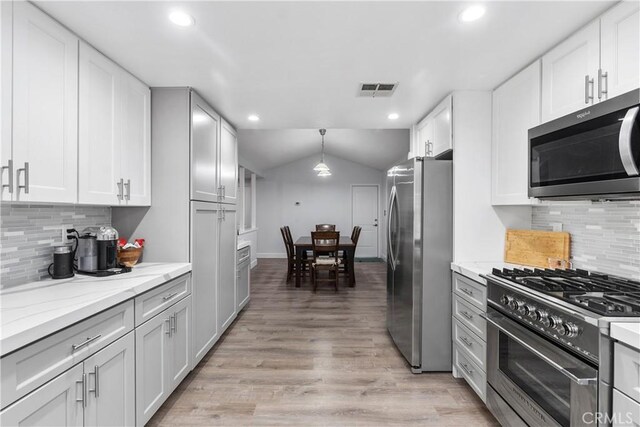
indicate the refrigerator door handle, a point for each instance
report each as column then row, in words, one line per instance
column 389, row 243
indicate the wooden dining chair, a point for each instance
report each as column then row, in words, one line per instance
column 325, row 242
column 291, row 254
column 355, row 236
column 325, row 227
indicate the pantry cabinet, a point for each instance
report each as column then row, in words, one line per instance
column 516, row 109
column 205, row 129
column 228, row 163
column 596, row 63
column 114, row 134
column 227, row 311
column 44, row 148
column 434, row 134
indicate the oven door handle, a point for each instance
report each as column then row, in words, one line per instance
column 498, row 321
column 625, row 141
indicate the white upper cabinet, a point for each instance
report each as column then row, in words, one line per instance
column 45, row 108
column 570, row 72
column 115, row 138
column 516, row 109
column 620, row 49
column 205, row 127
column 228, row 163
column 6, row 38
column 424, row 138
column 99, row 129
column 135, row 146
column 442, row 130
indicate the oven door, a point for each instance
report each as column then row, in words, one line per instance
column 545, row 385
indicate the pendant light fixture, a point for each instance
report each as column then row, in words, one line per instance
column 322, row 168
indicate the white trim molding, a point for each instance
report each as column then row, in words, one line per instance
column 271, row 255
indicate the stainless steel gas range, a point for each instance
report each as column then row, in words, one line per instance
column 549, row 357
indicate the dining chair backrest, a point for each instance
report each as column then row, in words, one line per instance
column 288, row 242
column 355, row 234
column 325, row 227
column 325, row 242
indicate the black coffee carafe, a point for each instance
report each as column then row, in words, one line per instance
column 107, row 248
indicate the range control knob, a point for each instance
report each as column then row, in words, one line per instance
column 505, row 300
column 570, row 330
column 515, row 304
column 524, row 309
column 541, row 316
column 555, row 322
column 532, row 313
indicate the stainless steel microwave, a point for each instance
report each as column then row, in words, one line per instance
column 593, row 153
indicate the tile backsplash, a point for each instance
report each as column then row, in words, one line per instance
column 29, row 232
column 605, row 236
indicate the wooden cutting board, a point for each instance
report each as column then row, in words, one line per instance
column 534, row 248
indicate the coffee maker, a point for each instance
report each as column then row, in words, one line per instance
column 107, row 238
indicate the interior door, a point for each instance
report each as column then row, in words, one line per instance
column 364, row 213
column 205, row 218
column 111, row 386
column 227, row 268
column 205, row 124
column 228, row 163
column 99, row 132
column 45, row 107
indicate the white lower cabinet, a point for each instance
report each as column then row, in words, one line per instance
column 57, row 403
column 162, row 357
column 110, row 385
column 227, row 269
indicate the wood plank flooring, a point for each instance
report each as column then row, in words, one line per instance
column 297, row 358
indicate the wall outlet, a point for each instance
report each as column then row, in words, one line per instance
column 556, row 226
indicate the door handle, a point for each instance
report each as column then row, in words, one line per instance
column 25, row 169
column 127, row 185
column 389, row 245
column 625, row 141
column 588, row 92
column 603, row 77
column 88, row 341
column 9, row 168
column 120, row 185
column 83, row 392
column 96, row 379
column 168, row 331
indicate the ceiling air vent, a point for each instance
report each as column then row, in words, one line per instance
column 377, row 90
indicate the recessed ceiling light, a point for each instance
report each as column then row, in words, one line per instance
column 253, row 118
column 472, row 13
column 181, row 19
column 393, row 116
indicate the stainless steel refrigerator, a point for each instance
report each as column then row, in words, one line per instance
column 419, row 253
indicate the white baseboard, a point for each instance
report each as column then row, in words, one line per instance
column 271, row 255
column 254, row 263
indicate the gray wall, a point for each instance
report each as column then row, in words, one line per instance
column 605, row 236
column 29, row 232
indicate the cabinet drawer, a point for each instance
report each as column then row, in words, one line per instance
column 470, row 290
column 475, row 348
column 244, row 254
column 474, row 376
column 28, row 368
column 156, row 300
column 470, row 316
column 626, row 411
column 626, row 375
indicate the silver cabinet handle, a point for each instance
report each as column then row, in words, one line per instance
column 25, row 169
column 168, row 331
column 75, row 347
column 83, row 399
column 467, row 315
column 168, row 297
column 9, row 168
column 219, row 191
column 96, row 379
column 603, row 77
column 120, row 185
column 224, row 191
column 588, row 89
column 127, row 185
column 466, row 368
column 625, row 142
column 224, row 214
column 466, row 341
column 173, row 323
column 466, row 291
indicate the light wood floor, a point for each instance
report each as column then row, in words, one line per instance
column 297, row 358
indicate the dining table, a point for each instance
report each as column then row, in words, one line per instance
column 345, row 244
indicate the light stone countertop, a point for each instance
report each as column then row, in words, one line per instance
column 32, row 311
column 473, row 270
column 627, row 333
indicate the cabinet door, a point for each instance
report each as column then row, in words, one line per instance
column 516, row 109
column 54, row 404
column 99, row 139
column 243, row 287
column 45, row 107
column 442, row 135
column 152, row 384
column 228, row 163
column 227, row 269
column 6, row 68
column 180, row 348
column 205, row 218
column 205, row 124
column 620, row 48
column 110, row 376
column 569, row 73
column 135, row 148
column 424, row 146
